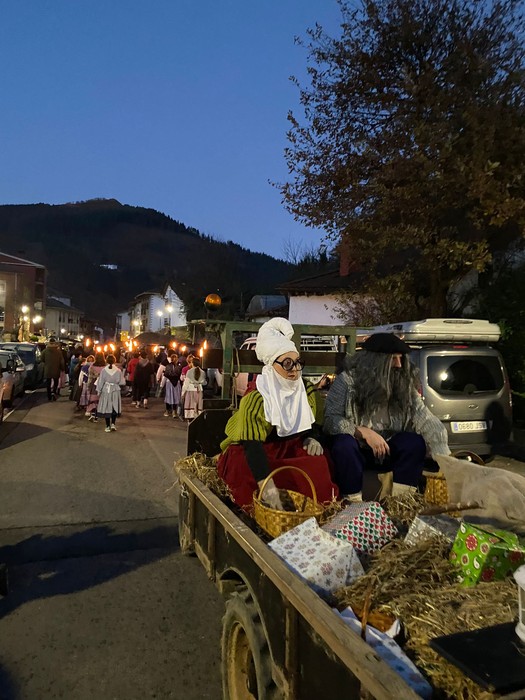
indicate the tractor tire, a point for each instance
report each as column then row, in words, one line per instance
column 246, row 661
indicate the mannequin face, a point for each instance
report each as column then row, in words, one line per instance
column 397, row 361
column 294, row 373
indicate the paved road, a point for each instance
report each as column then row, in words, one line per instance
column 101, row 602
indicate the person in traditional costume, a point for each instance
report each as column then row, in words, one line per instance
column 274, row 427
column 378, row 420
column 109, row 384
column 192, row 389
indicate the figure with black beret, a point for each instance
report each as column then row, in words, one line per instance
column 377, row 419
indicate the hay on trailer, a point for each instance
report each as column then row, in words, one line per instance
column 205, row 469
column 418, row 586
column 405, row 507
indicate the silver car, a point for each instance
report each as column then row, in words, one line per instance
column 13, row 373
column 31, row 356
column 467, row 388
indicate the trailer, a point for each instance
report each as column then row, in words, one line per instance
column 279, row 638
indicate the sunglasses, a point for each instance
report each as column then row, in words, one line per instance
column 288, row 364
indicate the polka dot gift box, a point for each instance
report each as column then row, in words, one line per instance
column 485, row 554
column 365, row 525
column 325, row 563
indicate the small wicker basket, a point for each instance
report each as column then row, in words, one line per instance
column 276, row 522
column 436, row 490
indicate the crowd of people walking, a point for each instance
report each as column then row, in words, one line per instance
column 98, row 383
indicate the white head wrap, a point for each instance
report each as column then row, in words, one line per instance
column 285, row 401
column 273, row 339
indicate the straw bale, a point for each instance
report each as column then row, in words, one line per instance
column 205, row 469
column 405, row 507
column 417, row 585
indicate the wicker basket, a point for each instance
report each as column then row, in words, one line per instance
column 274, row 521
column 436, row 490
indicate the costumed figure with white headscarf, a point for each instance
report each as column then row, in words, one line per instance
column 378, row 419
column 275, row 426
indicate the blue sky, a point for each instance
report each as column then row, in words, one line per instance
column 178, row 105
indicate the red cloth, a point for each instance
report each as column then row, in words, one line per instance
column 235, row 472
column 132, row 364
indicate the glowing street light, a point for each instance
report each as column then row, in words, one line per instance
column 25, row 309
column 37, row 319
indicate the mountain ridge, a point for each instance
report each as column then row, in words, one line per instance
column 149, row 249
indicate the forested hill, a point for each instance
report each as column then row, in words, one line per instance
column 149, row 248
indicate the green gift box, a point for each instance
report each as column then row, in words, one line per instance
column 485, row 554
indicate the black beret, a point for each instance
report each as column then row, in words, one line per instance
column 388, row 343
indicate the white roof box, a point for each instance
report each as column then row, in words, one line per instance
column 443, row 329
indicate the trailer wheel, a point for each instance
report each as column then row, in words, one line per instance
column 246, row 662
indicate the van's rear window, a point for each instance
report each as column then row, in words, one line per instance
column 458, row 374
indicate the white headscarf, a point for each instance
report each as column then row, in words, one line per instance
column 285, row 401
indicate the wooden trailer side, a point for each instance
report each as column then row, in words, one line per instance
column 314, row 653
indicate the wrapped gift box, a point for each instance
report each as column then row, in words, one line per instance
column 485, row 554
column 424, row 527
column 365, row 525
column 391, row 653
column 324, row 562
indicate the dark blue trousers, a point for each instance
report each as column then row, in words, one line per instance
column 407, row 455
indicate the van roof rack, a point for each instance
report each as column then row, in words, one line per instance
column 439, row 329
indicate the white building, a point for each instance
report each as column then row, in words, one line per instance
column 316, row 300
column 62, row 319
column 156, row 311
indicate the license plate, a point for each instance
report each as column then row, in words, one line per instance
column 468, row 426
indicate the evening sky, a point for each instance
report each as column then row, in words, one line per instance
column 177, row 105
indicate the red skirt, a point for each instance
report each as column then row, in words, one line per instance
column 235, row 472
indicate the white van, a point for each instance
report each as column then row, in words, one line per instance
column 464, row 381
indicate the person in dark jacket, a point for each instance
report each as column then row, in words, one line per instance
column 54, row 363
column 143, row 380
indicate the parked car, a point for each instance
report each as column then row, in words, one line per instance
column 31, row 356
column 2, row 389
column 463, row 378
column 13, row 376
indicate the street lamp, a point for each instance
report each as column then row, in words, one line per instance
column 159, row 314
column 23, row 331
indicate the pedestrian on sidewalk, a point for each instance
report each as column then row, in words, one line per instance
column 93, row 375
column 54, row 364
column 109, row 382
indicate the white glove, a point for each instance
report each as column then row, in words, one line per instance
column 271, row 495
column 313, row 447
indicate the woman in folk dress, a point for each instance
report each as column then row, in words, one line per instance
column 83, row 382
column 109, row 382
column 93, row 374
column 171, row 382
column 194, row 380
